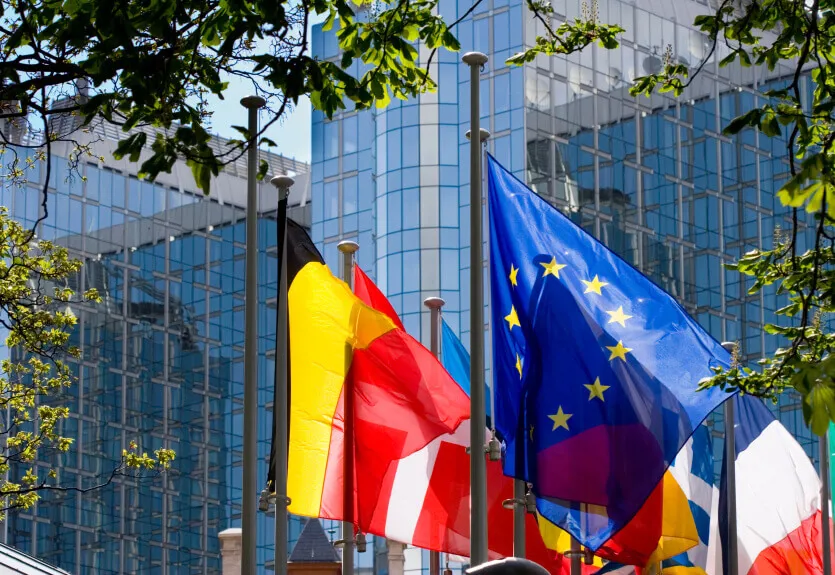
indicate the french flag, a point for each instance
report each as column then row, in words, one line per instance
column 777, row 498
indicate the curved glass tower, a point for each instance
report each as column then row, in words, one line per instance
column 654, row 178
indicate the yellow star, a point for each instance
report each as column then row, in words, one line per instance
column 530, row 432
column 618, row 351
column 596, row 390
column 560, row 419
column 594, row 286
column 519, row 365
column 512, row 319
column 618, row 316
column 552, row 268
column 513, row 273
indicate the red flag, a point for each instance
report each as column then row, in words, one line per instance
column 403, row 398
column 424, row 499
column 368, row 292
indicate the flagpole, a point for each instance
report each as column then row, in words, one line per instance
column 434, row 304
column 730, row 475
column 280, row 417
column 249, row 524
column 478, row 417
column 519, row 511
column 576, row 557
column 348, row 248
column 825, row 509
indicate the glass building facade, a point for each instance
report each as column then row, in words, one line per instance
column 162, row 363
column 653, row 178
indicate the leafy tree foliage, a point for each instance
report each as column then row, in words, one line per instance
column 568, row 37
column 154, row 63
column 800, row 36
column 36, row 315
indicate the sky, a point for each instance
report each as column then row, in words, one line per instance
column 291, row 134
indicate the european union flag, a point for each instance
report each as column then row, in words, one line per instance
column 596, row 368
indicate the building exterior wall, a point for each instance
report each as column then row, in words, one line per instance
column 653, row 178
column 162, row 362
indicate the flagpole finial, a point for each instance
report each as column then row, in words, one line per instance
column 253, row 102
column 283, row 184
column 483, row 134
column 347, row 247
column 434, row 302
column 730, row 346
column 474, row 59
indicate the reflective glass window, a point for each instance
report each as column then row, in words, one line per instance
column 349, row 195
column 331, row 140
column 350, row 139
column 410, row 148
column 331, row 200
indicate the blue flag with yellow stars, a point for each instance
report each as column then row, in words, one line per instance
column 595, row 367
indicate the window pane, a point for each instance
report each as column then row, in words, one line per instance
column 349, row 135
column 349, row 195
column 331, row 140
column 331, row 200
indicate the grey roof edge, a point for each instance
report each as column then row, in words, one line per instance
column 20, row 562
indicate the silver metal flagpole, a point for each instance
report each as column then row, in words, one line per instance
column 825, row 500
column 520, row 489
column 249, row 523
column 576, row 557
column 280, row 415
column 730, row 475
column 348, row 248
column 434, row 304
column 478, row 417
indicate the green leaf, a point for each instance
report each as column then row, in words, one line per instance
column 771, row 127
column 329, row 21
column 411, row 32
column 450, row 42
column 744, row 59
column 242, row 131
column 132, row 146
column 385, row 99
column 727, row 59
column 821, row 403
column 750, row 118
column 202, row 175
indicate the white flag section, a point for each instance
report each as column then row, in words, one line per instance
column 777, row 497
column 693, row 471
column 778, row 504
column 428, row 506
column 416, row 485
column 778, row 500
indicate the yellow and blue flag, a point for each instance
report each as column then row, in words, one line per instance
column 595, row 367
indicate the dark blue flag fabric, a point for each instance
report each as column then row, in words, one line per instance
column 456, row 360
column 595, row 367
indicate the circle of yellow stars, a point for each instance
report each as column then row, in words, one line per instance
column 594, row 286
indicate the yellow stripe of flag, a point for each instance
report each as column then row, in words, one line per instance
column 326, row 322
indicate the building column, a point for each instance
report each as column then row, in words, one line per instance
column 397, row 560
column 231, row 545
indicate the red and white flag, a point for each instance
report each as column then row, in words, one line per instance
column 424, row 498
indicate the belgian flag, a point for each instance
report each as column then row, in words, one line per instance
column 352, row 364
